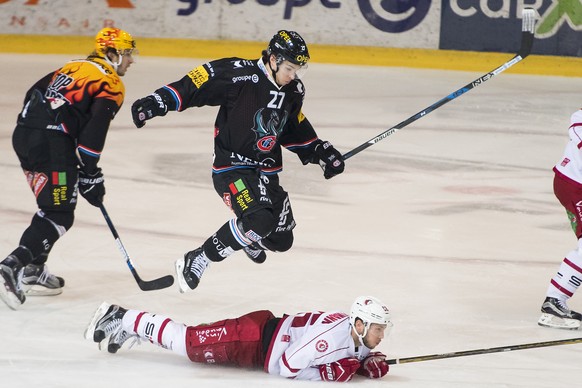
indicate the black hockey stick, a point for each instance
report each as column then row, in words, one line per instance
column 144, row 285
column 483, row 351
column 527, row 37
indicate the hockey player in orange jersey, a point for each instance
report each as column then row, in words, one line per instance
column 58, row 139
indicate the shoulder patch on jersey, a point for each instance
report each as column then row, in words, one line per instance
column 240, row 63
column 199, row 76
column 334, row 317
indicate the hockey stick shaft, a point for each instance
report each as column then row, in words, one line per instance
column 525, row 49
column 156, row 284
column 483, row 351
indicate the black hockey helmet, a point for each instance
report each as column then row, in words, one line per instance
column 289, row 46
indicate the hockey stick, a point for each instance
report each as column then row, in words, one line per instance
column 483, row 351
column 527, row 37
column 144, row 285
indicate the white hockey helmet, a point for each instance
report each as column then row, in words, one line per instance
column 369, row 310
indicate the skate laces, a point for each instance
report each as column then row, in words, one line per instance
column 46, row 276
column 110, row 323
column 125, row 335
column 198, row 265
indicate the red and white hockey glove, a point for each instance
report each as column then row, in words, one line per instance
column 374, row 366
column 340, row 370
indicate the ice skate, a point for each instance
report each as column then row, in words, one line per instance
column 11, row 281
column 556, row 314
column 256, row 255
column 189, row 270
column 38, row 281
column 106, row 322
column 117, row 340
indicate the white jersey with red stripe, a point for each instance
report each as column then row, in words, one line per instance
column 571, row 163
column 304, row 341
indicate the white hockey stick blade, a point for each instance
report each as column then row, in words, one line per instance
column 549, row 320
column 528, row 20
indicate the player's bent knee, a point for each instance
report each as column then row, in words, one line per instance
column 279, row 242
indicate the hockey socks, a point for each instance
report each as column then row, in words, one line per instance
column 157, row 329
column 569, row 277
column 555, row 312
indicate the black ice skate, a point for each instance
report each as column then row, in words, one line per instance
column 38, row 281
column 556, row 314
column 106, row 322
column 189, row 270
column 257, row 255
column 10, row 282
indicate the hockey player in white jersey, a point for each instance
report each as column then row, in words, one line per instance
column 568, row 190
column 328, row 346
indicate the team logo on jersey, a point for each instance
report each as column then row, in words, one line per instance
column 268, row 125
column 266, row 143
column 321, row 346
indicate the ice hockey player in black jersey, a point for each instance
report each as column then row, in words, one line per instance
column 260, row 110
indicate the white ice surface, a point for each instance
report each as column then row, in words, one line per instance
column 451, row 221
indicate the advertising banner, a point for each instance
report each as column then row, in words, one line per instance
column 494, row 25
column 411, row 24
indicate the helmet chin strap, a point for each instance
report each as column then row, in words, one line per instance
column 274, row 72
column 361, row 336
column 115, row 65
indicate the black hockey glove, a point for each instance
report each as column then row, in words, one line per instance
column 148, row 107
column 91, row 187
column 330, row 159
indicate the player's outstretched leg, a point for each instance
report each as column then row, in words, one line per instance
column 556, row 314
column 38, row 281
column 189, row 270
column 11, row 293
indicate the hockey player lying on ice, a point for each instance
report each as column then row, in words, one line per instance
column 328, row 346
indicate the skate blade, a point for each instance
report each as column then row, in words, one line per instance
column 38, row 290
column 549, row 320
column 101, row 310
column 182, row 285
column 8, row 297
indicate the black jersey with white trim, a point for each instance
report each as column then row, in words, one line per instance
column 256, row 117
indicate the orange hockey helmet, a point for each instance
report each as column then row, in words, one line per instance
column 119, row 40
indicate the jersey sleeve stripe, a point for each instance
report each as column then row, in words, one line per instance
column 177, row 99
column 299, row 145
column 89, row 151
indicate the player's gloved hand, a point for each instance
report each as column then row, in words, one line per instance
column 148, row 107
column 374, row 366
column 330, row 159
column 91, row 187
column 340, row 370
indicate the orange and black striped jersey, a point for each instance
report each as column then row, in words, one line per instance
column 81, row 99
